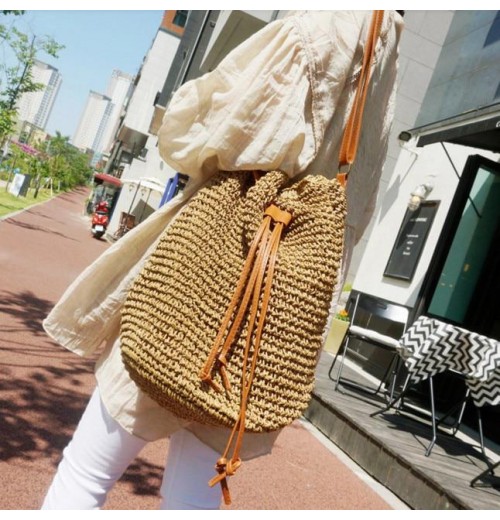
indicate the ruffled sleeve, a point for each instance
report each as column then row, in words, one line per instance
column 251, row 112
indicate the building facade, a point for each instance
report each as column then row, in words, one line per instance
column 119, row 90
column 433, row 243
column 198, row 47
column 35, row 107
column 455, row 113
column 134, row 155
column 93, row 122
column 101, row 116
column 467, row 74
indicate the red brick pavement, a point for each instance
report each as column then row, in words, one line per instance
column 43, row 388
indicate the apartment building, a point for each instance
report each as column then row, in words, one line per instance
column 118, row 91
column 93, row 122
column 102, row 114
column 35, row 108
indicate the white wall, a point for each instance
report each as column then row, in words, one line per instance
column 420, row 45
column 422, row 40
column 153, row 74
column 468, row 70
column 431, row 164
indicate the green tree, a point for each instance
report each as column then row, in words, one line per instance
column 67, row 166
column 18, row 159
column 56, row 159
column 16, row 76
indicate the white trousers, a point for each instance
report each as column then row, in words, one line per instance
column 100, row 452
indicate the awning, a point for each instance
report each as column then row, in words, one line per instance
column 132, row 140
column 477, row 128
column 149, row 183
column 104, row 177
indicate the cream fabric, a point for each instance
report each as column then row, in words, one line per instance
column 279, row 100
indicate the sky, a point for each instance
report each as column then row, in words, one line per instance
column 96, row 42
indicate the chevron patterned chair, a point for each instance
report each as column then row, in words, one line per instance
column 380, row 324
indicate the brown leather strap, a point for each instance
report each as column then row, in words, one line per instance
column 258, row 272
column 350, row 140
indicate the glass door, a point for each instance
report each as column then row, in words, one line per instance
column 465, row 285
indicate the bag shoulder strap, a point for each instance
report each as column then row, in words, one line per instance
column 352, row 131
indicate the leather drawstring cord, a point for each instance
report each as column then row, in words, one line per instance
column 261, row 259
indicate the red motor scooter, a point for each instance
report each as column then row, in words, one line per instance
column 100, row 219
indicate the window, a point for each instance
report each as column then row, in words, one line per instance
column 497, row 93
column 180, row 18
column 493, row 34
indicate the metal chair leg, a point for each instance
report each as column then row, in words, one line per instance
column 491, row 467
column 388, row 373
column 481, row 439
column 399, row 398
column 433, row 419
column 404, row 391
column 342, row 358
column 462, row 406
column 490, row 470
column 335, row 358
column 332, row 365
column 397, row 367
column 457, row 425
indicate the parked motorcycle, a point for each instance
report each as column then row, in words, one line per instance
column 100, row 219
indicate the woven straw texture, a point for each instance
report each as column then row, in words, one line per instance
column 175, row 306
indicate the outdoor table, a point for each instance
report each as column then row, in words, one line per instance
column 430, row 347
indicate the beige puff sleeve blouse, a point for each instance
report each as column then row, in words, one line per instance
column 278, row 101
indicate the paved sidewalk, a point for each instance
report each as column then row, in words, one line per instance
column 43, row 389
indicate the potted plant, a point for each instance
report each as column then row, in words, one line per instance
column 337, row 332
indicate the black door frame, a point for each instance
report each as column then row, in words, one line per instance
column 447, row 235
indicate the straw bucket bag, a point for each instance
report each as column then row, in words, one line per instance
column 224, row 323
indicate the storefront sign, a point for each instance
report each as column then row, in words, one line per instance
column 18, row 186
column 410, row 241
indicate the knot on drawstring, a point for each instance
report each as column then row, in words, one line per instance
column 225, row 468
column 220, row 366
column 252, row 294
column 278, row 215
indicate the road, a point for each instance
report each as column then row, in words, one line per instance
column 44, row 389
